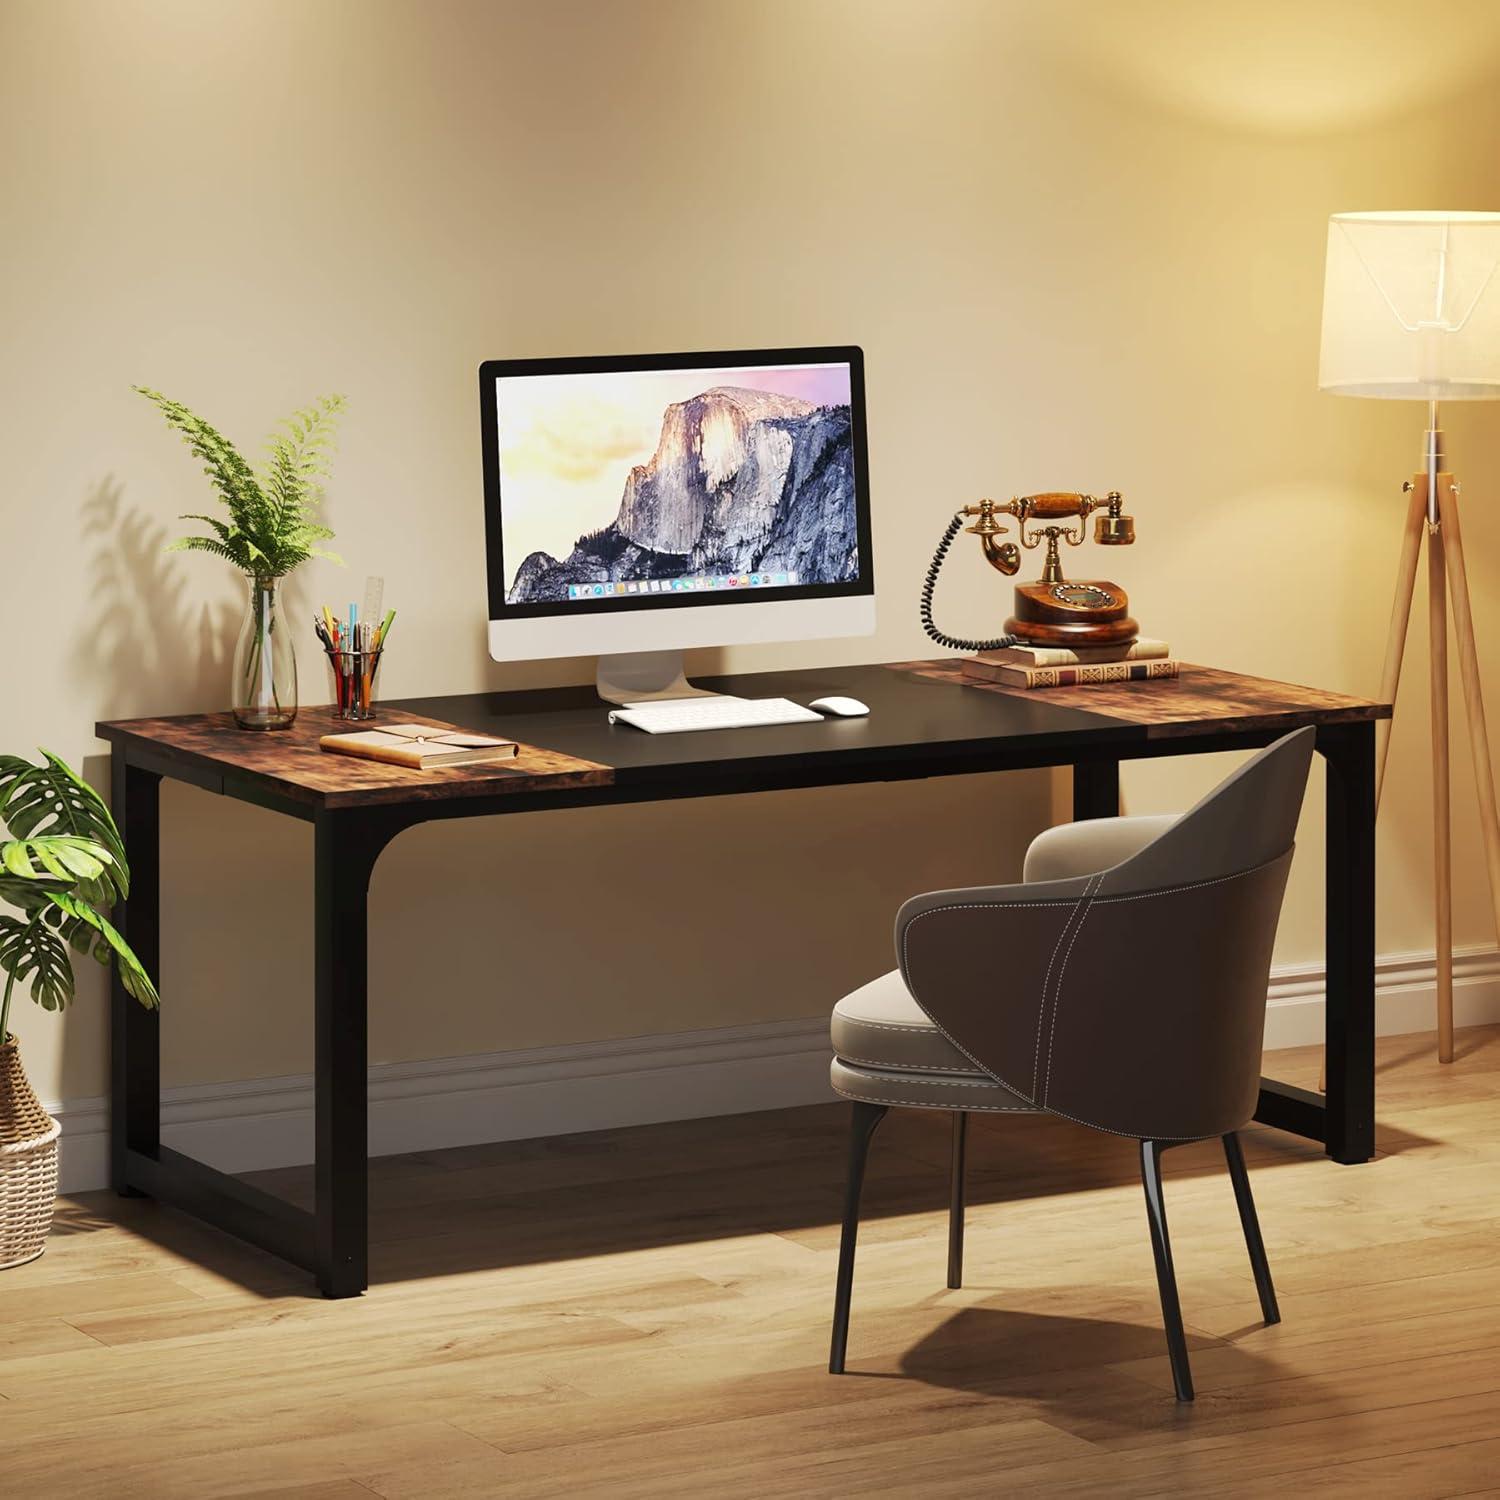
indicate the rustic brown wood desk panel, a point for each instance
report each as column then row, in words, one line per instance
column 288, row 765
column 1200, row 700
column 923, row 722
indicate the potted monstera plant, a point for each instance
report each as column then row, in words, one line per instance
column 62, row 860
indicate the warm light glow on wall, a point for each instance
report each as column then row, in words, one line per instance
column 1285, row 65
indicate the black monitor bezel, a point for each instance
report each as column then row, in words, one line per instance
column 492, row 369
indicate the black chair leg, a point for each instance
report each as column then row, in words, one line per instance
column 956, row 1202
column 1259, row 1265
column 1166, row 1278
column 862, row 1126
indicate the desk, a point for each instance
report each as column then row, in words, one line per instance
column 924, row 721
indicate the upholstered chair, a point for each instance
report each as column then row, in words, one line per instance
column 1121, row 985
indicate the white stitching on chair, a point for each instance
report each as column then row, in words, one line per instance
column 952, row 1083
column 1026, row 1109
column 1041, row 1009
column 1057, row 998
column 1089, row 902
column 933, row 911
column 1171, row 890
column 1008, row 1109
column 926, row 1030
column 1177, row 890
column 873, row 1062
column 943, row 1030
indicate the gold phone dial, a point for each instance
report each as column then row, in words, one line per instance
column 1052, row 611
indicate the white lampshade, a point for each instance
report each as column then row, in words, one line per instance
column 1411, row 306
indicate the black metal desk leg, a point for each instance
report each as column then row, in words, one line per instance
column 134, row 1031
column 344, row 856
column 1349, row 751
column 1096, row 789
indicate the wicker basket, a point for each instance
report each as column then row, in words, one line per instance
column 28, row 1163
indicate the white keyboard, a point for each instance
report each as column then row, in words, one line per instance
column 678, row 715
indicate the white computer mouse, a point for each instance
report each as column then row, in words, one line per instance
column 845, row 708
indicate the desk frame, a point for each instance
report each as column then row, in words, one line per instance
column 331, row 1240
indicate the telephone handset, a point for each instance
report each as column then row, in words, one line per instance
column 1052, row 611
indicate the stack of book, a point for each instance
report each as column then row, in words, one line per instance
column 1063, row 666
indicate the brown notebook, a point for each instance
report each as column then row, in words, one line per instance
column 420, row 746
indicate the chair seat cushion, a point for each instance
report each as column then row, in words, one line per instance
column 889, row 1052
column 925, row 1090
column 879, row 1025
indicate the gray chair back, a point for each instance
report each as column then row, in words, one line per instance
column 1132, row 999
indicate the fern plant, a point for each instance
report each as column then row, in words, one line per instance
column 63, row 861
column 271, row 523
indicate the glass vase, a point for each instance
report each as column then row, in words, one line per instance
column 263, row 680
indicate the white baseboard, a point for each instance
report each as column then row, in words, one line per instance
column 461, row 1101
column 1405, row 996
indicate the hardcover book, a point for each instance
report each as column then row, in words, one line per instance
column 420, row 746
column 1087, row 674
column 1140, row 649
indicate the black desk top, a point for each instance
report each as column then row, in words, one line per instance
column 908, row 714
column 923, row 720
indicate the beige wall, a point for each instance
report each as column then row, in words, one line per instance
column 1081, row 244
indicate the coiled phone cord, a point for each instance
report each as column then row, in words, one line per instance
column 953, row 642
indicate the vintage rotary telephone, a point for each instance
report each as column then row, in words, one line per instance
column 1052, row 611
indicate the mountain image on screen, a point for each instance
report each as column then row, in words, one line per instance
column 741, row 480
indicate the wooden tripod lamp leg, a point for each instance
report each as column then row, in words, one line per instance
column 1437, row 624
column 1395, row 640
column 1468, row 667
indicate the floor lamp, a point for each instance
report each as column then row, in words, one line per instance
column 1411, row 311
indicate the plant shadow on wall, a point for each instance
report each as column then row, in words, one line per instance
column 144, row 636
column 146, row 645
column 149, row 646
column 267, row 526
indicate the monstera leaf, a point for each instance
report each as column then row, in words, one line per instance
column 65, row 858
column 25, row 895
column 31, row 953
column 58, row 856
column 48, row 801
column 88, row 932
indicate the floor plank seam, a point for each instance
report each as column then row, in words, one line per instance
column 1324, row 1467
column 1277, row 1429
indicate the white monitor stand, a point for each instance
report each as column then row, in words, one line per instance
column 644, row 677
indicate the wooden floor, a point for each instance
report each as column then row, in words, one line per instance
column 645, row 1313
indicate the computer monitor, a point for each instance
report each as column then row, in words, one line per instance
column 635, row 506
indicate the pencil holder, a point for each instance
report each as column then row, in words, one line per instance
column 354, row 683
